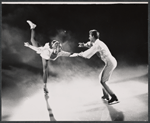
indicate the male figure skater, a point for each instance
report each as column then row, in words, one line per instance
column 95, row 45
column 45, row 52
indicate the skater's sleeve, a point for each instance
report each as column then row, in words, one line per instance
column 89, row 53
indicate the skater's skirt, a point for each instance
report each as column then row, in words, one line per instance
column 110, row 65
column 45, row 54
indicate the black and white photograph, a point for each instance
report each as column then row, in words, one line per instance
column 74, row 61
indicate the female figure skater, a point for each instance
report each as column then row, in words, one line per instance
column 95, row 45
column 45, row 52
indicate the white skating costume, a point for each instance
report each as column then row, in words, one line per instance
column 103, row 52
column 47, row 53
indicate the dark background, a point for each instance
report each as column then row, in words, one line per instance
column 123, row 27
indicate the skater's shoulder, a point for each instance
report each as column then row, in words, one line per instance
column 100, row 42
column 46, row 45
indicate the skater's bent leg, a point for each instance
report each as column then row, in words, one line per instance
column 105, row 75
column 105, row 92
column 102, row 79
column 113, row 96
column 107, row 89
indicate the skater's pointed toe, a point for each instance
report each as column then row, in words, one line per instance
column 32, row 25
column 28, row 21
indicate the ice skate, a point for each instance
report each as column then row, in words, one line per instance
column 113, row 100
column 32, row 25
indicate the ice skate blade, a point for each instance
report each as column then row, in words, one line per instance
column 105, row 100
column 114, row 102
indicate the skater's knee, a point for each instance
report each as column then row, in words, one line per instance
column 102, row 82
column 45, row 71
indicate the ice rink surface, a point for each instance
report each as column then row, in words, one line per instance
column 80, row 99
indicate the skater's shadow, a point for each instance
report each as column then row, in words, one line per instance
column 52, row 118
column 115, row 114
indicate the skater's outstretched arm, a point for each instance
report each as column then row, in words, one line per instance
column 62, row 53
column 65, row 53
column 74, row 55
column 89, row 53
column 86, row 54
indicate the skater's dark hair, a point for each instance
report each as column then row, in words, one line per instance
column 94, row 33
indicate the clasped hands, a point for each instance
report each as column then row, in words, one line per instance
column 74, row 55
column 77, row 54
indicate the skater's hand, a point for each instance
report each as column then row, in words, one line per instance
column 26, row 44
column 81, row 44
column 74, row 55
